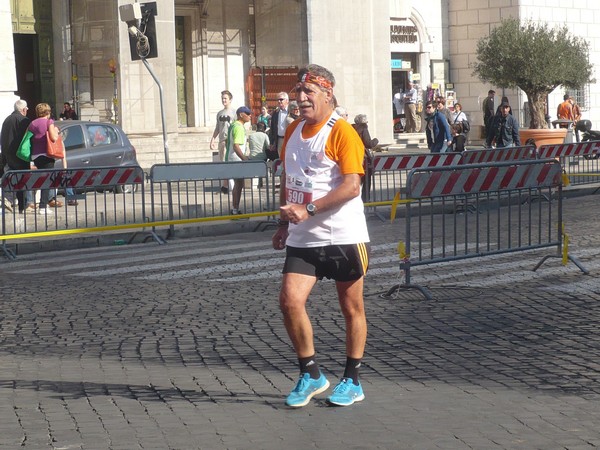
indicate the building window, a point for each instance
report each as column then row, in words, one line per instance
column 581, row 96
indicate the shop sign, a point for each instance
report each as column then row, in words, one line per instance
column 403, row 34
column 396, row 64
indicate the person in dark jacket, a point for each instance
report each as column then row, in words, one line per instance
column 504, row 130
column 13, row 130
column 499, row 109
column 68, row 113
column 278, row 126
column 437, row 130
column 362, row 128
column 488, row 110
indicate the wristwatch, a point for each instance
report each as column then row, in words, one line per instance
column 311, row 209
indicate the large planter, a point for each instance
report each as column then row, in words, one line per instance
column 543, row 136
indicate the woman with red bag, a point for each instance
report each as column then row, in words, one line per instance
column 39, row 127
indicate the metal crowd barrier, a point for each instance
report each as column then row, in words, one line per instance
column 193, row 191
column 104, row 198
column 506, row 221
column 487, row 155
column 186, row 193
column 275, row 171
column 387, row 174
column 580, row 161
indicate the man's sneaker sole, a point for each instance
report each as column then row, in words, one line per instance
column 300, row 395
column 310, row 396
column 360, row 398
column 346, row 393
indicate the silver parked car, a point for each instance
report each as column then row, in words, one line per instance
column 95, row 144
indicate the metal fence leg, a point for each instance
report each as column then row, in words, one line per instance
column 573, row 259
column 8, row 252
column 423, row 290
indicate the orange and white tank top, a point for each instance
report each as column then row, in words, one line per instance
column 312, row 174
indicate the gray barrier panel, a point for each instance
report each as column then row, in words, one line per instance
column 207, row 171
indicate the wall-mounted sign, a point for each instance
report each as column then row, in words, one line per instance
column 416, row 77
column 403, row 34
column 396, row 64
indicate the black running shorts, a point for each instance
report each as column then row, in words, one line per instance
column 337, row 262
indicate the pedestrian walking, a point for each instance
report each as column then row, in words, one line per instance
column 504, row 131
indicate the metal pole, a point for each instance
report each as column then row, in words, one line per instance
column 162, row 109
column 165, row 140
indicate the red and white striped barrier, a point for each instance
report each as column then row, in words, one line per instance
column 483, row 156
column 573, row 149
column 74, row 178
column 474, row 179
column 408, row 162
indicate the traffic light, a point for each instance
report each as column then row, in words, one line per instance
column 142, row 31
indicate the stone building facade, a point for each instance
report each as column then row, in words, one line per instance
column 78, row 50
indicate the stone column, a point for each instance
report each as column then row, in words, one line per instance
column 8, row 76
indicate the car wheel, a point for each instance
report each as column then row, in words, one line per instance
column 126, row 188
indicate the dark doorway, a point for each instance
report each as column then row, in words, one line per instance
column 181, row 66
column 28, row 78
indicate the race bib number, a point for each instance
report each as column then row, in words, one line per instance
column 299, row 190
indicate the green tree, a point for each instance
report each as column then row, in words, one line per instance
column 535, row 58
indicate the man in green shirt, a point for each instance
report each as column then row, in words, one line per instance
column 236, row 151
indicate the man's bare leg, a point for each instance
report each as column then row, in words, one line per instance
column 294, row 294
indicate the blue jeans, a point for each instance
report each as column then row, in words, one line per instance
column 43, row 162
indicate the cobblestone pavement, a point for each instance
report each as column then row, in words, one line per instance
column 182, row 346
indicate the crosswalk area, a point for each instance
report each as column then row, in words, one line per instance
column 248, row 259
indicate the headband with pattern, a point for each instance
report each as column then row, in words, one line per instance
column 316, row 79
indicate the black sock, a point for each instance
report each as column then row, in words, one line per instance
column 309, row 365
column 351, row 370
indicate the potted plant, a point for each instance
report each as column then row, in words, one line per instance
column 537, row 59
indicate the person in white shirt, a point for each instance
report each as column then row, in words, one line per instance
column 410, row 109
column 225, row 118
column 324, row 232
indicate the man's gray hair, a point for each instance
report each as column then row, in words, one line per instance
column 283, row 95
column 320, row 71
column 360, row 118
column 20, row 105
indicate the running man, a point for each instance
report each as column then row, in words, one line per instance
column 323, row 228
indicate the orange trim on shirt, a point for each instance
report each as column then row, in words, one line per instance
column 343, row 145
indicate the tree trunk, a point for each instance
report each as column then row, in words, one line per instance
column 537, row 109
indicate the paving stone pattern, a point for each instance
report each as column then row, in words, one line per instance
column 182, row 346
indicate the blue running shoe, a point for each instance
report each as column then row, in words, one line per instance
column 305, row 389
column 346, row 393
